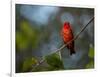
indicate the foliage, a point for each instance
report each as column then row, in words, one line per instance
column 21, row 40
column 28, row 62
column 90, row 65
column 91, row 55
column 27, row 36
column 91, row 52
column 54, row 61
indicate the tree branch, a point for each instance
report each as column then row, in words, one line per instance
column 63, row 46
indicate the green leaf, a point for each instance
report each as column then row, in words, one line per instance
column 27, row 65
column 91, row 52
column 54, row 61
column 21, row 40
column 26, row 28
column 90, row 64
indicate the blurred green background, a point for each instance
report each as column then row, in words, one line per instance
column 38, row 34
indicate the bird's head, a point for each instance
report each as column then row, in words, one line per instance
column 66, row 25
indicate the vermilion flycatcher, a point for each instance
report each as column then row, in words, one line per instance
column 67, row 36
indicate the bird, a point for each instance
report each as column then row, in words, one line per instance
column 67, row 36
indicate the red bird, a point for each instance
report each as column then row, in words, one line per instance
column 67, row 36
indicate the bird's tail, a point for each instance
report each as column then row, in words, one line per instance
column 72, row 51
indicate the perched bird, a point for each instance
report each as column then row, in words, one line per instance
column 67, row 36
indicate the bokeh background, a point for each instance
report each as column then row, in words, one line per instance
column 38, row 34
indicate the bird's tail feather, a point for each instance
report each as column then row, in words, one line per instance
column 72, row 51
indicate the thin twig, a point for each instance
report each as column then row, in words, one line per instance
column 63, row 46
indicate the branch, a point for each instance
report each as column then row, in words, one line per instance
column 63, row 46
